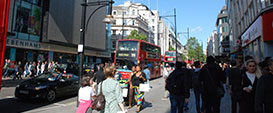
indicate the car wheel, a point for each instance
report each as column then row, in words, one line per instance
column 51, row 95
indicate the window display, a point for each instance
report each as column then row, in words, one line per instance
column 27, row 19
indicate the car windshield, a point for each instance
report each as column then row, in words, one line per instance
column 48, row 76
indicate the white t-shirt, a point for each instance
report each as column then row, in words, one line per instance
column 251, row 77
column 85, row 93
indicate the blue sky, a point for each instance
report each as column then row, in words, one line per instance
column 197, row 15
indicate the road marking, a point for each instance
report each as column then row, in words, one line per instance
column 10, row 97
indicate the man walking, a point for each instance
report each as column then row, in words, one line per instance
column 211, row 78
column 264, row 91
column 146, row 71
column 235, row 85
column 197, row 88
column 178, row 87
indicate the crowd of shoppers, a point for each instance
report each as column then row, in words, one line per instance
column 249, row 83
column 17, row 69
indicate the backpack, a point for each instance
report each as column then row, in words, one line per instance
column 99, row 101
column 195, row 80
column 174, row 83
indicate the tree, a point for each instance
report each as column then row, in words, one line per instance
column 135, row 35
column 171, row 48
column 195, row 50
column 183, row 57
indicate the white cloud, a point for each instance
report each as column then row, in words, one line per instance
column 197, row 29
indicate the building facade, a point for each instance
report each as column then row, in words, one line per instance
column 223, row 32
column 251, row 23
column 213, row 44
column 49, row 30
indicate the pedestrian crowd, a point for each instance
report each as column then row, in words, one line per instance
column 30, row 69
column 105, row 81
column 250, row 85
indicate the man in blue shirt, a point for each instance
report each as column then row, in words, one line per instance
column 146, row 71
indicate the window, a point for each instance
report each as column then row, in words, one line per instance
column 133, row 12
column 114, row 12
column 114, row 32
column 133, row 22
column 124, row 21
column 124, row 13
column 27, row 19
column 114, row 44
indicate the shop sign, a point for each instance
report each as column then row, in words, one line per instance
column 267, row 26
column 103, row 54
column 23, row 44
column 253, row 32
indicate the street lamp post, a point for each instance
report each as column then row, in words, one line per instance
column 84, row 28
column 175, row 30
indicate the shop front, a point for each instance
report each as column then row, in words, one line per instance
column 252, row 41
column 31, row 51
column 257, row 41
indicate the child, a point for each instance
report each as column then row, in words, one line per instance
column 85, row 95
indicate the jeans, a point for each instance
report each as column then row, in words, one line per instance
column 6, row 72
column 197, row 94
column 177, row 103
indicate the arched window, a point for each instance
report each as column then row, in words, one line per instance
column 114, row 12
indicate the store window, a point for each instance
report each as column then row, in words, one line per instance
column 27, row 19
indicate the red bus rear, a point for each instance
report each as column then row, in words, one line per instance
column 131, row 52
column 170, row 58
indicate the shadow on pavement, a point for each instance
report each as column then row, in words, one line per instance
column 13, row 105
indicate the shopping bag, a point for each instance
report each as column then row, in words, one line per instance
column 124, row 92
column 144, row 87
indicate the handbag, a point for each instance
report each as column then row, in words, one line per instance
column 220, row 91
column 99, row 101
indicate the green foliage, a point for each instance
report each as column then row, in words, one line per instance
column 135, row 35
column 171, row 48
column 183, row 57
column 195, row 50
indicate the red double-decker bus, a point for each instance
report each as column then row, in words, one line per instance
column 137, row 52
column 170, row 58
column 4, row 9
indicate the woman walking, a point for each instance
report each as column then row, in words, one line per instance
column 86, row 92
column 112, row 92
column 249, row 83
column 131, row 88
column 138, row 78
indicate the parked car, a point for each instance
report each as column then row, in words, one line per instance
column 48, row 86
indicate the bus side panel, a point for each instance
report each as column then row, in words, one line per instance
column 4, row 9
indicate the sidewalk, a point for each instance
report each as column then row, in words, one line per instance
column 154, row 103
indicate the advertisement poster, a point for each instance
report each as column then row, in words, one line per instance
column 12, row 57
column 27, row 19
column 50, row 56
column 29, row 56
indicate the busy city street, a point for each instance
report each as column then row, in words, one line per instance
column 136, row 56
column 154, row 102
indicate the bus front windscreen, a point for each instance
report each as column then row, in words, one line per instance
column 127, row 46
column 127, row 49
column 170, row 54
